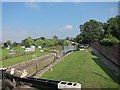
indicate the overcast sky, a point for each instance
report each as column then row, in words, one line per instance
column 36, row 19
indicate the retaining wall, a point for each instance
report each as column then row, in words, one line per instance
column 34, row 64
column 111, row 52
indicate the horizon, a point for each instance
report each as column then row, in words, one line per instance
column 36, row 19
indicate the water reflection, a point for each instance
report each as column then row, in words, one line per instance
column 69, row 48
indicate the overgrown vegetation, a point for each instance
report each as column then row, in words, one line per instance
column 110, row 40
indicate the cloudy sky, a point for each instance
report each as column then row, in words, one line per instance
column 36, row 19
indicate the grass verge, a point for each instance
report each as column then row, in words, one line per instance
column 84, row 68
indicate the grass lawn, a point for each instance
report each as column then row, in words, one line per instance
column 84, row 68
column 6, row 51
column 18, row 51
column 19, row 59
column 3, row 52
column 15, row 60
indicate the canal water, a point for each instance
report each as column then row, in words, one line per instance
column 69, row 48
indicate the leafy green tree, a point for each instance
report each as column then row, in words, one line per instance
column 39, row 42
column 112, row 27
column 43, row 38
column 65, row 43
column 15, row 44
column 7, row 43
column 55, row 40
column 60, row 42
column 55, row 37
column 72, row 39
column 27, row 42
column 47, row 42
column 91, row 31
column 109, row 40
column 79, row 38
column 67, row 38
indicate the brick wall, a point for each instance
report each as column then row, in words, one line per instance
column 34, row 64
column 111, row 52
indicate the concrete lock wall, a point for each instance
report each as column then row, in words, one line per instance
column 111, row 52
column 34, row 64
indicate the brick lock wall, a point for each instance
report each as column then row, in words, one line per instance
column 111, row 52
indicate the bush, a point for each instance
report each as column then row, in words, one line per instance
column 109, row 41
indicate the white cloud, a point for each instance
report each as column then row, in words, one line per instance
column 68, row 27
column 32, row 4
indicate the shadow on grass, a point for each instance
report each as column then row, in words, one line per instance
column 105, row 68
column 102, row 76
column 99, row 89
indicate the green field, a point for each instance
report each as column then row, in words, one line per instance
column 19, row 59
column 84, row 68
column 18, row 51
column 3, row 52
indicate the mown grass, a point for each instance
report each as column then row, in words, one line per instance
column 84, row 68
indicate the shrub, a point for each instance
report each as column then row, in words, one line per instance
column 109, row 41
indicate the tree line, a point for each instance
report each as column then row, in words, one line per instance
column 107, row 33
column 42, row 41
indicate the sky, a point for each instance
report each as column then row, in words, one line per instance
column 36, row 19
column 60, row 0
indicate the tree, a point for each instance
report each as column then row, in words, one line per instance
column 109, row 40
column 27, row 42
column 39, row 42
column 91, row 31
column 72, row 39
column 14, row 44
column 94, row 31
column 55, row 37
column 67, row 38
column 79, row 38
column 43, row 38
column 54, row 41
column 65, row 43
column 60, row 42
column 7, row 43
column 112, row 27
column 47, row 42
